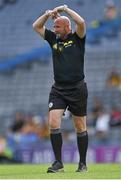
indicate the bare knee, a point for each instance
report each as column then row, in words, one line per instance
column 54, row 123
column 55, row 119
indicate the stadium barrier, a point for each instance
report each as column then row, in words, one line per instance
column 100, row 154
column 40, row 54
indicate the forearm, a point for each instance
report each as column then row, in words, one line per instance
column 40, row 22
column 75, row 16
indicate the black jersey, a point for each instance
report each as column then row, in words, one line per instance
column 68, row 57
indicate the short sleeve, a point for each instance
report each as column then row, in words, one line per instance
column 49, row 36
column 81, row 39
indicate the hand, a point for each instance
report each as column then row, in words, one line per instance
column 48, row 13
column 55, row 15
column 60, row 8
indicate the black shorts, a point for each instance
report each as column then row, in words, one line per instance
column 74, row 98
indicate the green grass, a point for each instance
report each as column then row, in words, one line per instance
column 95, row 171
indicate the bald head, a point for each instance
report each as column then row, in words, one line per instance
column 62, row 26
column 64, row 20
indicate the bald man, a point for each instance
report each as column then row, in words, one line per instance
column 69, row 90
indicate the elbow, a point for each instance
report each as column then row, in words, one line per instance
column 34, row 26
column 82, row 22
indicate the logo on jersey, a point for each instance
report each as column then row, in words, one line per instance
column 61, row 45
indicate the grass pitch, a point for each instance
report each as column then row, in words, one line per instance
column 95, row 171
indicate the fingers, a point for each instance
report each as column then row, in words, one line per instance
column 55, row 15
column 55, row 12
column 52, row 14
column 48, row 12
column 60, row 8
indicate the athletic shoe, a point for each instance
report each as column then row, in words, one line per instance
column 82, row 168
column 57, row 166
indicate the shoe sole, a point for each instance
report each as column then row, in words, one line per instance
column 55, row 171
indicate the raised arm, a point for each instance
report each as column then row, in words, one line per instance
column 39, row 24
column 80, row 23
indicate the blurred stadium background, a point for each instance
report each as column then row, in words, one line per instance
column 26, row 77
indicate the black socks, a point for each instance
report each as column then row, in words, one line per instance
column 56, row 141
column 82, row 143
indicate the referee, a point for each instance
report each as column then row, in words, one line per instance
column 69, row 89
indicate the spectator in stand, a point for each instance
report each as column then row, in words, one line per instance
column 6, row 155
column 108, row 26
column 36, row 126
column 27, row 129
column 102, row 126
column 115, row 120
column 114, row 79
column 111, row 11
column 18, row 122
column 97, row 106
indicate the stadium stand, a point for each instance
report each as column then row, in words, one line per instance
column 26, row 67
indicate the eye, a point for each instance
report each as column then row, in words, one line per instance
column 56, row 26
